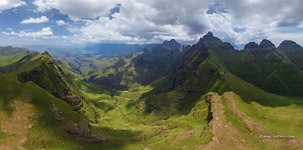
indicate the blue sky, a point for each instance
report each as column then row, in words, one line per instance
column 78, row 22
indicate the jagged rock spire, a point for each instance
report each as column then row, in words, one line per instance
column 208, row 35
column 209, row 38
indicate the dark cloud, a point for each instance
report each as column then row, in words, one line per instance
column 293, row 16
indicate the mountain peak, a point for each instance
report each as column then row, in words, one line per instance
column 208, row 35
column 209, row 38
column 251, row 45
column 171, row 45
column 45, row 53
column 171, row 42
column 266, row 44
column 289, row 44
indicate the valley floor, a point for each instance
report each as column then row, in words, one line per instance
column 235, row 123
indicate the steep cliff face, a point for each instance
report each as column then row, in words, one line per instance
column 211, row 65
column 196, row 73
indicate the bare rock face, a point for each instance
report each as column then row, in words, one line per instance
column 73, row 100
column 82, row 132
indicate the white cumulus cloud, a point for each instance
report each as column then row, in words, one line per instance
column 148, row 21
column 78, row 8
column 35, row 20
column 7, row 4
column 43, row 33
column 61, row 22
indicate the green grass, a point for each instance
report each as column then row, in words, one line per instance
column 9, row 55
column 42, row 70
column 6, row 60
column 2, row 135
column 46, row 132
column 272, row 72
column 251, row 93
column 124, row 127
column 178, row 125
column 237, row 123
column 282, row 120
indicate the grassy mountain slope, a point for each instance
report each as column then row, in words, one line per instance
column 10, row 55
column 293, row 51
column 114, row 73
column 44, row 71
column 32, row 118
column 272, row 71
